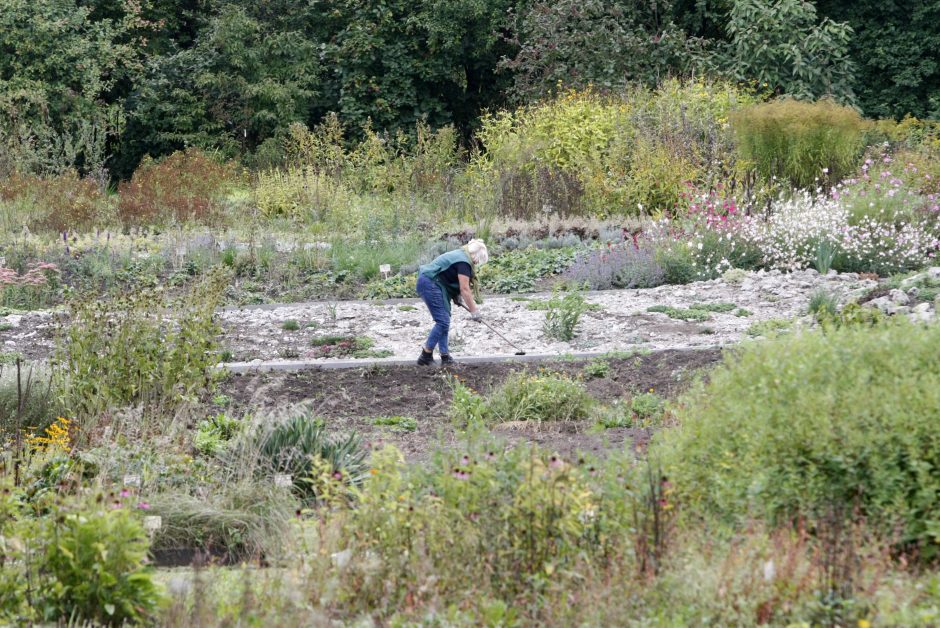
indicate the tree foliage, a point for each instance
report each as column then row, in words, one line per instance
column 576, row 43
column 98, row 84
column 780, row 43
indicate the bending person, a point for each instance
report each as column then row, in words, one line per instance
column 452, row 276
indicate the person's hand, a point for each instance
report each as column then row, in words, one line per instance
column 476, row 315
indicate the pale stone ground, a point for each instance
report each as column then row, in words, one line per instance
column 621, row 323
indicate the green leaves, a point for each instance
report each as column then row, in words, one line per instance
column 780, row 44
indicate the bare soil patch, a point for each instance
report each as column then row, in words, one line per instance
column 350, row 399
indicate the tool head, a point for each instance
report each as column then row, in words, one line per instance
column 520, row 352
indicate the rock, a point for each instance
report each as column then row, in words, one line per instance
column 10, row 343
column 884, row 304
column 912, row 281
column 831, row 273
column 341, row 559
column 812, row 272
column 921, row 313
column 934, row 273
column 899, row 297
column 913, row 292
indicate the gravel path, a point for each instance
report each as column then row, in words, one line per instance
column 397, row 329
column 621, row 321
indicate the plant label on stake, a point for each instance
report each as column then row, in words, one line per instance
column 152, row 523
column 283, row 480
column 132, row 480
column 385, row 269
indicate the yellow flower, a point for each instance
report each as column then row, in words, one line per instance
column 864, row 623
column 57, row 437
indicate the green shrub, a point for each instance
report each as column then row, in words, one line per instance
column 524, row 396
column 85, row 561
column 137, row 347
column 845, row 419
column 289, row 446
column 483, row 521
column 517, row 271
column 800, row 142
column 648, row 408
column 563, row 315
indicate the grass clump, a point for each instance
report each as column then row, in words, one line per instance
column 291, row 447
column 742, row 312
column 290, row 325
column 823, row 303
column 236, row 522
column 400, row 423
column 720, row 307
column 523, row 397
column 680, row 314
column 793, row 426
column 769, row 327
column 800, row 141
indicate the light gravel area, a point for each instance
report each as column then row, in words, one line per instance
column 621, row 322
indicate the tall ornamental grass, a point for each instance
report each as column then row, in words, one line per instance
column 800, row 142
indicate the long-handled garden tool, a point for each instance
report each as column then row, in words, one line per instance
column 493, row 329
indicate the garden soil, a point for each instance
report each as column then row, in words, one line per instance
column 350, row 399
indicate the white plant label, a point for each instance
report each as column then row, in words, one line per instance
column 152, row 523
column 131, row 480
column 385, row 268
column 283, row 480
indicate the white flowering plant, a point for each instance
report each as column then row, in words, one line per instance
column 801, row 231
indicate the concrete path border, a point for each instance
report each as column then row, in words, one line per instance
column 302, row 365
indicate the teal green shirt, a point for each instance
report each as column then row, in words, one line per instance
column 434, row 270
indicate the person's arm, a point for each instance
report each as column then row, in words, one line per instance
column 466, row 293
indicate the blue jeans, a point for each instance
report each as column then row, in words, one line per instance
column 433, row 296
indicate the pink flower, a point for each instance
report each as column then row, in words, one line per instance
column 143, row 505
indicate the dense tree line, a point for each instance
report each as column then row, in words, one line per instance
column 101, row 83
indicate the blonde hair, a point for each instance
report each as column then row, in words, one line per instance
column 476, row 249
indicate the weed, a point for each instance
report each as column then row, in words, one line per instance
column 290, row 325
column 680, row 313
column 597, row 369
column 213, row 433
column 401, row 423
column 720, row 307
column 769, row 327
column 563, row 315
column 525, row 397
column 407, row 308
column 742, row 313
column 333, row 346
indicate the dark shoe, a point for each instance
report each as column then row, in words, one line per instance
column 446, row 360
column 426, row 358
